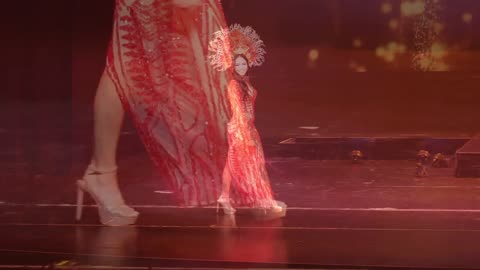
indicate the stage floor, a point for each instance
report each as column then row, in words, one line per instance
column 198, row 238
column 375, row 214
column 341, row 216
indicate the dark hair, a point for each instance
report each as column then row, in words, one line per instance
column 241, row 79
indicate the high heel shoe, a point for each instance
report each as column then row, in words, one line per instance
column 277, row 209
column 110, row 215
column 125, row 209
column 226, row 206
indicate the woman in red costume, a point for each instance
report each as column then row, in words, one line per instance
column 157, row 71
column 237, row 49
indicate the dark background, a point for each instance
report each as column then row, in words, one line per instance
column 54, row 49
column 53, row 53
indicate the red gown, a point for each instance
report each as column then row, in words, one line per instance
column 158, row 62
column 246, row 161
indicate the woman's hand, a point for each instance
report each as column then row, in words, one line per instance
column 187, row 3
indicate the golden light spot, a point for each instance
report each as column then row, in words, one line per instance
column 438, row 50
column 313, row 55
column 390, row 51
column 357, row 43
column 443, row 67
column 412, row 8
column 380, row 51
column 356, row 67
column 361, row 69
column 393, row 24
column 425, row 62
column 467, row 17
column 389, row 57
column 386, row 8
column 401, row 48
column 432, row 60
column 392, row 46
column 438, row 27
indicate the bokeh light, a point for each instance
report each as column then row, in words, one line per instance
column 412, row 7
column 386, row 8
column 467, row 17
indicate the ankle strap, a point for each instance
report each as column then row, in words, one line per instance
column 93, row 170
column 104, row 171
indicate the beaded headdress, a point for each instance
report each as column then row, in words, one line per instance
column 236, row 40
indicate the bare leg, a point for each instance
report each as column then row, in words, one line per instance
column 226, row 180
column 108, row 120
column 224, row 199
column 100, row 179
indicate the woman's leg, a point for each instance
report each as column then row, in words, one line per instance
column 100, row 179
column 108, row 120
column 226, row 181
column 224, row 199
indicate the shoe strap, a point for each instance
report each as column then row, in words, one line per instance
column 96, row 171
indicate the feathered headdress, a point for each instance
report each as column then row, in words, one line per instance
column 228, row 42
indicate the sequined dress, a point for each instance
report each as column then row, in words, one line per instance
column 246, row 160
column 158, row 62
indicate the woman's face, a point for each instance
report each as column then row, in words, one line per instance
column 241, row 66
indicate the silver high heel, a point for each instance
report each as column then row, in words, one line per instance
column 110, row 215
column 277, row 210
column 226, row 206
